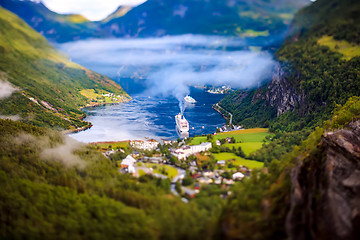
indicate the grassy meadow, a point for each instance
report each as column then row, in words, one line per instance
column 166, row 170
column 236, row 160
column 347, row 49
column 249, row 140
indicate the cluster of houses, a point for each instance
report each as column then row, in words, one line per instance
column 228, row 128
column 186, row 151
column 209, row 177
column 128, row 165
column 110, row 95
column 113, row 97
column 145, row 145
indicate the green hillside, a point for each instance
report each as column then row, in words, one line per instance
column 55, row 188
column 54, row 26
column 49, row 85
column 319, row 68
column 255, row 18
column 244, row 18
column 293, row 200
column 321, row 65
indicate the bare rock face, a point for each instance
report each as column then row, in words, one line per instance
column 280, row 93
column 325, row 202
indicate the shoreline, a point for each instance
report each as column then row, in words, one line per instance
column 69, row 131
column 105, row 103
column 216, row 108
column 77, row 129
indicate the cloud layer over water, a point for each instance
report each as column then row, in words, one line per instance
column 169, row 65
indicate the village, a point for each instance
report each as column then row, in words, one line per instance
column 188, row 164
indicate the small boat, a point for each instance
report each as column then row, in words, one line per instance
column 189, row 99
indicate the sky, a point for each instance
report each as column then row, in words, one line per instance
column 92, row 9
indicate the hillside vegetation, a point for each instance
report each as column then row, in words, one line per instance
column 49, row 85
column 319, row 68
column 53, row 187
column 303, row 196
column 244, row 18
column 54, row 26
column 236, row 18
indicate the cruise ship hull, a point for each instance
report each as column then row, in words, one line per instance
column 182, row 124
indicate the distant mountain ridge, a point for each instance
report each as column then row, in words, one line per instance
column 229, row 17
column 246, row 18
column 55, row 27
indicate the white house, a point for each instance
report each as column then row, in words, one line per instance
column 131, row 170
column 238, row 175
column 201, row 147
column 184, row 152
column 128, row 161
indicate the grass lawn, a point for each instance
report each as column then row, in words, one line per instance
column 345, row 48
column 157, row 168
column 247, row 147
column 247, row 135
column 114, row 145
column 253, row 33
column 90, row 93
column 238, row 160
column 141, row 172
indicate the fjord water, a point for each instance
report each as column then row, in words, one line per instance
column 158, row 73
column 150, row 117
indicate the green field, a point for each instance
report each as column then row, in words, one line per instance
column 247, row 147
column 238, row 160
column 114, row 145
column 249, row 140
column 157, row 168
column 141, row 172
column 253, row 33
column 345, row 48
column 256, row 135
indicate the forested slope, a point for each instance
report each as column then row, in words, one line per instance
column 319, row 67
column 48, row 84
column 310, row 193
column 54, row 26
column 53, row 187
column 255, row 18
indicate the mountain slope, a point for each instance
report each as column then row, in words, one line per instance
column 319, row 68
column 51, row 89
column 236, row 17
column 259, row 18
column 55, row 27
column 53, row 187
column 310, row 193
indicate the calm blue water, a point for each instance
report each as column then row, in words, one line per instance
column 150, row 117
column 157, row 73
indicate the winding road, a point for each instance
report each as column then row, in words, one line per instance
column 231, row 116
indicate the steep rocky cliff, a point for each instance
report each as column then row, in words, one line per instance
column 280, row 93
column 325, row 201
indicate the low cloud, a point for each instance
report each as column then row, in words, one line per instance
column 12, row 117
column 170, row 65
column 6, row 89
column 64, row 153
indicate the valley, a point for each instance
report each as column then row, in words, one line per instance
column 90, row 149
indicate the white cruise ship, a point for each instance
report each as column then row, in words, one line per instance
column 189, row 99
column 181, row 123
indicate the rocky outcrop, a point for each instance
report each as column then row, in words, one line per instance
column 325, row 201
column 280, row 93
